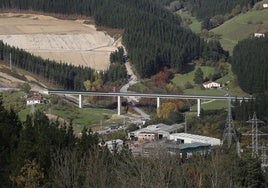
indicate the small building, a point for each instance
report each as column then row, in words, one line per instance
column 114, row 144
column 259, row 34
column 159, row 130
column 147, row 136
column 265, row 5
column 185, row 138
column 211, row 84
column 36, row 99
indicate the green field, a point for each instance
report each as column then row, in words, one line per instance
column 198, row 91
column 180, row 79
column 84, row 117
column 241, row 27
column 95, row 118
column 81, row 117
column 195, row 26
column 213, row 105
column 232, row 88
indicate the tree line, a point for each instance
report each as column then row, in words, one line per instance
column 152, row 35
column 66, row 76
column 249, row 63
column 42, row 153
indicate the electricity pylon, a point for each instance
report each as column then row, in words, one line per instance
column 229, row 133
column 255, row 134
column 263, row 156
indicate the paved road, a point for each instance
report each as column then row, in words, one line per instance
column 133, row 99
column 2, row 89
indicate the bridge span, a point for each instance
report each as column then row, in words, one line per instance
column 145, row 95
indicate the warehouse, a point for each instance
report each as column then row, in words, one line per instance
column 184, row 138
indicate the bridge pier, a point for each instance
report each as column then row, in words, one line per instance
column 198, row 107
column 118, row 105
column 80, row 101
column 158, row 104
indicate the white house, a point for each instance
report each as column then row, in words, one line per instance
column 259, row 34
column 36, row 99
column 185, row 138
column 265, row 5
column 211, row 84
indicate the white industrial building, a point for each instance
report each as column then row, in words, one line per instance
column 184, row 138
column 160, row 130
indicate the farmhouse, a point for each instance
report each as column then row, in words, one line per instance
column 211, row 84
column 259, row 34
column 36, row 99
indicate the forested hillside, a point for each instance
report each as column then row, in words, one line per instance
column 41, row 153
column 214, row 12
column 153, row 36
column 249, row 63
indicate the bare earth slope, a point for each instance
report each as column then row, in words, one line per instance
column 61, row 40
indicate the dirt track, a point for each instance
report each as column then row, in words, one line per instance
column 61, row 40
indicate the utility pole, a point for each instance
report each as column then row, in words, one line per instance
column 185, row 121
column 10, row 62
column 254, row 132
column 229, row 130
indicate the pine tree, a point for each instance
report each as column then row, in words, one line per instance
column 198, row 76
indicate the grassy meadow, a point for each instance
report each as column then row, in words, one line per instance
column 232, row 88
column 64, row 111
column 241, row 27
column 195, row 25
column 181, row 79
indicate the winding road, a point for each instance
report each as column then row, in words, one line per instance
column 132, row 99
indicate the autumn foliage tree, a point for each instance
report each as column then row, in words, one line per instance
column 30, row 175
column 162, row 78
column 166, row 109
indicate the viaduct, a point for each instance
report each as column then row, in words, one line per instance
column 157, row 96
